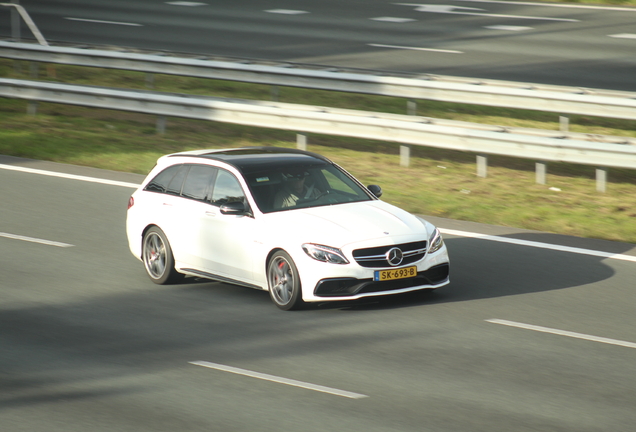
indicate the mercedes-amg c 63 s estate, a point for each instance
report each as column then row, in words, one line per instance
column 281, row 220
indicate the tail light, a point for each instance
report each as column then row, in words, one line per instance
column 131, row 202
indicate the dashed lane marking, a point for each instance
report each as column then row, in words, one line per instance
column 186, row 3
column 286, row 11
column 393, row 19
column 279, row 380
column 508, row 28
column 104, row 22
column 623, row 36
column 416, row 48
column 34, row 240
column 563, row 333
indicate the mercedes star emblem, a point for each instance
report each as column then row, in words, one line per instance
column 394, row 256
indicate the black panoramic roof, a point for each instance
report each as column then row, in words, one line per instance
column 253, row 159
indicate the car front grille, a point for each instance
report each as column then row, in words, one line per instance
column 376, row 256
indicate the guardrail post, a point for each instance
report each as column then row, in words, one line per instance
column 15, row 32
column 50, row 70
column 274, row 92
column 405, row 150
column 541, row 169
column 161, row 124
column 15, row 22
column 405, row 155
column 301, row 141
column 34, row 67
column 564, row 123
column 482, row 166
column 601, row 179
column 150, row 80
column 411, row 107
column 32, row 108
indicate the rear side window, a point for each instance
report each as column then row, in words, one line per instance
column 186, row 180
column 162, row 180
column 198, row 182
column 174, row 187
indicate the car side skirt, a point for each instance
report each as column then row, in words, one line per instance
column 217, row 278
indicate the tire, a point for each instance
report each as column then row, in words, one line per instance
column 283, row 282
column 157, row 257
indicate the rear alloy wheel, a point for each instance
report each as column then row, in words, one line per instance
column 283, row 281
column 158, row 259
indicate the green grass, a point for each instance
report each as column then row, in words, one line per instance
column 439, row 183
column 597, row 2
column 592, row 2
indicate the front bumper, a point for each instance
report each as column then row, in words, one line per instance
column 335, row 282
column 432, row 278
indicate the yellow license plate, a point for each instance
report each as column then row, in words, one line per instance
column 395, row 274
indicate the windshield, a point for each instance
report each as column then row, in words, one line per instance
column 300, row 186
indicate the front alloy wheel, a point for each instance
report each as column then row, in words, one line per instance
column 284, row 283
column 157, row 257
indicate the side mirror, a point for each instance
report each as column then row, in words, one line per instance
column 375, row 190
column 234, row 208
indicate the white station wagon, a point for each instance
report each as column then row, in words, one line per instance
column 281, row 220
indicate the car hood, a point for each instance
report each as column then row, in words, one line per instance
column 341, row 224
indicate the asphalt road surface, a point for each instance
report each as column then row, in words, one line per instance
column 574, row 45
column 534, row 333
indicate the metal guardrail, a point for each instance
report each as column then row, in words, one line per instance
column 584, row 149
column 558, row 99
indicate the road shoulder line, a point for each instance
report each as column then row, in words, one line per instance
column 68, row 176
column 540, row 245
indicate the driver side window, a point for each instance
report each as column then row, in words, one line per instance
column 227, row 189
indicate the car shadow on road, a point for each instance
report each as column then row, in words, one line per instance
column 483, row 269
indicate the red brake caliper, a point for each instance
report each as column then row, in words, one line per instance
column 278, row 275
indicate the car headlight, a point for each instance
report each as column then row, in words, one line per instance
column 325, row 253
column 435, row 241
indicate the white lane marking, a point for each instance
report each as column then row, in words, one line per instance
column 508, row 28
column 104, row 22
column 392, row 19
column 563, row 333
column 279, row 380
column 69, row 176
column 539, row 245
column 575, row 6
column 415, row 48
column 453, row 10
column 624, row 36
column 286, row 11
column 443, row 230
column 185, row 3
column 35, row 240
column 438, row 8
